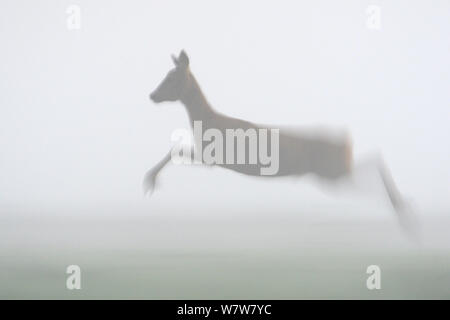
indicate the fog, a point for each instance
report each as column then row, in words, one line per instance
column 78, row 131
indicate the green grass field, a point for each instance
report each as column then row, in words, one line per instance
column 249, row 258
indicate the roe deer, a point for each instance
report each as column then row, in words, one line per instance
column 329, row 157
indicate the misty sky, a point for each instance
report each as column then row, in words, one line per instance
column 78, row 131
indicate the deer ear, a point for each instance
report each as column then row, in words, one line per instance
column 183, row 59
column 175, row 60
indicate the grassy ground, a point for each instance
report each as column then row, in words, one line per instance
column 251, row 258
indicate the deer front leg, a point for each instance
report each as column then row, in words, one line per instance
column 149, row 182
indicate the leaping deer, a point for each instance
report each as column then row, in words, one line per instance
column 300, row 152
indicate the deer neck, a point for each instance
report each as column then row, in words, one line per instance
column 197, row 106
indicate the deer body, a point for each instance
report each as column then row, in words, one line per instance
column 301, row 152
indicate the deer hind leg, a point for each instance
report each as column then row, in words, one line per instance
column 360, row 177
column 376, row 165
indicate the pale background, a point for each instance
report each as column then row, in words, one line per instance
column 78, row 133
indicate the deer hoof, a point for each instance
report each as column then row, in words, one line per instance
column 408, row 220
column 149, row 183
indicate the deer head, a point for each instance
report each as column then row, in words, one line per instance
column 175, row 82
